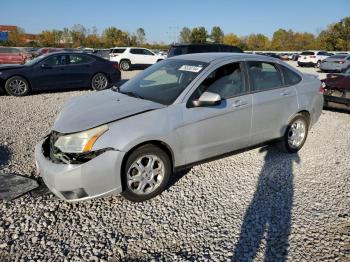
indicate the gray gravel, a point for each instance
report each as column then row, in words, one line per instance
column 259, row 203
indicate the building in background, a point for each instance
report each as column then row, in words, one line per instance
column 6, row 29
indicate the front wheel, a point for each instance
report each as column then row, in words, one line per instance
column 99, row 82
column 146, row 173
column 17, row 86
column 295, row 135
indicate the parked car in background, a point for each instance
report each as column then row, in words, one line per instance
column 47, row 50
column 104, row 53
column 335, row 63
column 181, row 111
column 312, row 58
column 59, row 71
column 183, row 49
column 274, row 55
column 134, row 57
column 13, row 55
column 337, row 90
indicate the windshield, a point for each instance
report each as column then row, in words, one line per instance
column 163, row 82
column 34, row 61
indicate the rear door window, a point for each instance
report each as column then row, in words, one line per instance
column 80, row 59
column 118, row 50
column 136, row 51
column 264, row 75
column 290, row 77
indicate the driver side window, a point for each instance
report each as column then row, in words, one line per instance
column 227, row 81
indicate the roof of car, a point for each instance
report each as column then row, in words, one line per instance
column 214, row 56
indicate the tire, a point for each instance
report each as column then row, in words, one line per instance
column 125, row 65
column 159, row 60
column 17, row 86
column 318, row 64
column 142, row 182
column 99, row 82
column 286, row 144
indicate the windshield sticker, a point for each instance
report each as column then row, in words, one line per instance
column 189, row 68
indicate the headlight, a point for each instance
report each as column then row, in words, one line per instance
column 81, row 142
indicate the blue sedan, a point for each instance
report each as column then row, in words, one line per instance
column 64, row 70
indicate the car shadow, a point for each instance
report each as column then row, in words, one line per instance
column 176, row 177
column 268, row 218
column 5, row 156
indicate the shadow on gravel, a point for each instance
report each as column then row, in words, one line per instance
column 268, row 216
column 176, row 177
column 5, row 156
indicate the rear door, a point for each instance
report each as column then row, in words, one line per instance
column 214, row 130
column 273, row 102
column 136, row 56
column 79, row 71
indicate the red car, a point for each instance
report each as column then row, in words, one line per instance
column 11, row 55
column 337, row 90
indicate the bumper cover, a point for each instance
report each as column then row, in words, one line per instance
column 96, row 178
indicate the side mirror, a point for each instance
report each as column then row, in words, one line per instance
column 207, row 99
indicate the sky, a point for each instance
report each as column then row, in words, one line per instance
column 163, row 19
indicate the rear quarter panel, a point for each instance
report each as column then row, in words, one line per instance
column 309, row 97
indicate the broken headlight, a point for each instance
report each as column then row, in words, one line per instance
column 81, row 142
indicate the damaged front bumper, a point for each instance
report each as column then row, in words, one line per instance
column 97, row 177
column 337, row 98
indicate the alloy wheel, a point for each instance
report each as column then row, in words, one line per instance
column 17, row 87
column 297, row 133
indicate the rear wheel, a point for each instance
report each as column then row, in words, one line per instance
column 125, row 65
column 295, row 135
column 17, row 86
column 146, row 173
column 99, row 82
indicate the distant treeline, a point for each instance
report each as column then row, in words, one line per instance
column 335, row 37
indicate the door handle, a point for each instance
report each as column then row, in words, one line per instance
column 239, row 103
column 286, row 93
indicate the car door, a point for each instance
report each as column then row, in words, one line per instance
column 136, row 56
column 51, row 72
column 80, row 71
column 213, row 130
column 273, row 102
column 148, row 58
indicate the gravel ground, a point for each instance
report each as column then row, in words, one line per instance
column 259, row 203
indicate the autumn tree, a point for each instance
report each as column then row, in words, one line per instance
column 257, row 42
column 78, row 34
column 185, row 35
column 16, row 37
column 50, row 38
column 113, row 36
column 282, row 40
column 217, row 35
column 231, row 39
column 199, row 35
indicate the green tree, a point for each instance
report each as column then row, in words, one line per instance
column 113, row 36
column 50, row 38
column 185, row 35
column 217, row 35
column 199, row 35
column 282, row 40
column 141, row 36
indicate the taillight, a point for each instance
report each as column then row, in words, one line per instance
column 341, row 62
column 322, row 88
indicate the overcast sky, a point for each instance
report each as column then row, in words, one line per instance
column 162, row 20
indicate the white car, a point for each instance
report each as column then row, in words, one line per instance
column 312, row 58
column 132, row 57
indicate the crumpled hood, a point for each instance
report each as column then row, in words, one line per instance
column 98, row 108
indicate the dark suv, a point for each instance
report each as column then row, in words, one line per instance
column 183, row 49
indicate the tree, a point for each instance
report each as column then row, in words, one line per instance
column 78, row 34
column 232, row 39
column 16, row 37
column 217, row 35
column 303, row 41
column 141, row 36
column 50, row 38
column 113, row 36
column 257, row 42
column 199, row 35
column 185, row 35
column 282, row 40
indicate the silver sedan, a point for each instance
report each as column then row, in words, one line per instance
column 336, row 63
column 179, row 112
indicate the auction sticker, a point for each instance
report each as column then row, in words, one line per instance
column 189, row 68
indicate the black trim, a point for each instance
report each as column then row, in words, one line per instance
column 336, row 99
column 231, row 153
